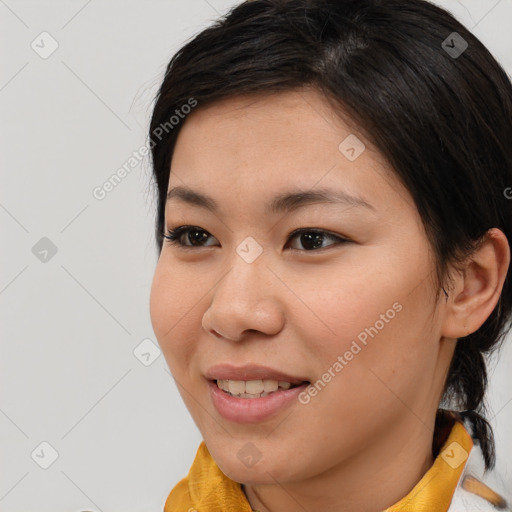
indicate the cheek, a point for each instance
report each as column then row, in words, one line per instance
column 161, row 304
column 370, row 329
column 341, row 305
column 173, row 317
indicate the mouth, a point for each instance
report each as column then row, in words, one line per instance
column 253, row 401
column 255, row 388
column 252, row 393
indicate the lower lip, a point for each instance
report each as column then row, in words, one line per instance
column 252, row 410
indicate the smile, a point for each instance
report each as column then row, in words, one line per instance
column 253, row 388
column 255, row 406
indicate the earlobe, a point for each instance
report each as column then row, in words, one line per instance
column 478, row 287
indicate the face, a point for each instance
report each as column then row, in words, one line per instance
column 345, row 305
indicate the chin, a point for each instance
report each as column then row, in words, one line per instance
column 246, row 465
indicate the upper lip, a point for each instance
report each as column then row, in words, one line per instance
column 249, row 372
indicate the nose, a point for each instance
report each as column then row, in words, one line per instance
column 247, row 298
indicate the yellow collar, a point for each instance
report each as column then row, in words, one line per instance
column 434, row 492
column 207, row 489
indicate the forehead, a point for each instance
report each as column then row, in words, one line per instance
column 301, row 113
column 266, row 143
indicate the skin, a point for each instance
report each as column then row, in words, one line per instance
column 365, row 440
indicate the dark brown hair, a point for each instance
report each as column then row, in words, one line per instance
column 443, row 121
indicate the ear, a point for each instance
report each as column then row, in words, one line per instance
column 477, row 289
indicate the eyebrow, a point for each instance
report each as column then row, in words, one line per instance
column 284, row 202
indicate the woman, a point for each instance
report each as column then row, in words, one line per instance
column 333, row 223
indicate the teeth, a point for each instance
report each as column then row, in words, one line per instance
column 270, row 385
column 236, row 387
column 252, row 388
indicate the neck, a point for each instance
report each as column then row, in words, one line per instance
column 371, row 481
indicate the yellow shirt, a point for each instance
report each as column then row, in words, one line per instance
column 208, row 489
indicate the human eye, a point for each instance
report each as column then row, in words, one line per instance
column 314, row 238
column 194, row 235
column 310, row 238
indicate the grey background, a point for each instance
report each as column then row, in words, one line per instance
column 71, row 323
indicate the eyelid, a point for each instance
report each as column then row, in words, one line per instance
column 328, row 234
column 172, row 235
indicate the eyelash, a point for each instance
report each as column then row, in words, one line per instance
column 172, row 237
